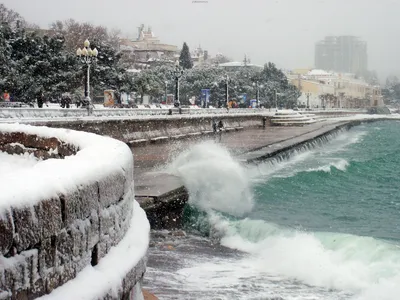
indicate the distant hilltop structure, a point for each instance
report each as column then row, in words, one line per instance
column 146, row 49
column 347, row 54
column 199, row 56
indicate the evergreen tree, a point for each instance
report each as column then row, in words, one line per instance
column 32, row 64
column 185, row 59
column 275, row 81
column 391, row 91
column 149, row 82
column 107, row 72
column 36, row 65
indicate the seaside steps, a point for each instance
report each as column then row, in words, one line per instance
column 292, row 118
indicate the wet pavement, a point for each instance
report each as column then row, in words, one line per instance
column 154, row 156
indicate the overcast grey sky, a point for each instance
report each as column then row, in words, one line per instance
column 281, row 31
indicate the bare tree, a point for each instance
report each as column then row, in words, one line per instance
column 76, row 33
column 13, row 19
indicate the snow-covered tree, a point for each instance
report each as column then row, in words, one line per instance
column 107, row 72
column 76, row 33
column 194, row 80
column 270, row 79
column 391, row 91
column 149, row 83
column 34, row 64
column 277, row 85
column 371, row 77
column 185, row 59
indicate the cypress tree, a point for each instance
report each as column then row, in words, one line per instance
column 185, row 60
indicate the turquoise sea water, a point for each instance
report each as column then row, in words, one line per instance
column 324, row 224
column 351, row 185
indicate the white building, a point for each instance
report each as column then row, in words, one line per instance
column 341, row 90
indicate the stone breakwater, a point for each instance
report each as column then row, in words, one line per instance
column 53, row 233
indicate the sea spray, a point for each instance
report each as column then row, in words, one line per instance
column 316, row 156
column 215, row 181
column 305, row 238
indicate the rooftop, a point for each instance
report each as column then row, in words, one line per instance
column 239, row 64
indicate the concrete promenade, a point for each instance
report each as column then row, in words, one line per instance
column 163, row 196
column 152, row 156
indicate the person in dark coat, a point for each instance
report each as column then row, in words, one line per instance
column 40, row 99
column 65, row 100
column 220, row 125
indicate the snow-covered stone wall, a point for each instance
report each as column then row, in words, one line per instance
column 69, row 226
column 54, row 113
column 139, row 129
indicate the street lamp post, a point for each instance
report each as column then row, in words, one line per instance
column 177, row 73
column 219, row 105
column 166, row 91
column 257, row 92
column 87, row 56
column 257, row 95
column 227, row 91
column 308, row 94
column 276, row 99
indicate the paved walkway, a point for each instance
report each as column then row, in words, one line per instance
column 155, row 155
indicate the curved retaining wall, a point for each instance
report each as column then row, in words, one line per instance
column 51, row 231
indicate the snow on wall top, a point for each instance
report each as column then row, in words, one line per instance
column 97, row 157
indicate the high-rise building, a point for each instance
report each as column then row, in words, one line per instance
column 346, row 54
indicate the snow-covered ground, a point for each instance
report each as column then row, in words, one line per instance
column 10, row 164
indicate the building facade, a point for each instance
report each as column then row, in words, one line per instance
column 199, row 56
column 334, row 90
column 147, row 50
column 346, row 54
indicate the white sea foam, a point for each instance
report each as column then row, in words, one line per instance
column 325, row 265
column 214, row 179
column 338, row 261
column 339, row 164
column 319, row 158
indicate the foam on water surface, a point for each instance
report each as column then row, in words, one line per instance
column 286, row 261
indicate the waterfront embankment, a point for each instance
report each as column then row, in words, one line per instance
column 163, row 194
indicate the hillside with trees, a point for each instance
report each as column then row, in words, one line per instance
column 35, row 61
